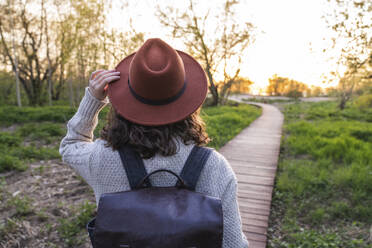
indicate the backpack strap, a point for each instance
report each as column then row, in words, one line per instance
column 194, row 165
column 134, row 167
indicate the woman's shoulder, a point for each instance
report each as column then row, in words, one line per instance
column 216, row 175
column 220, row 163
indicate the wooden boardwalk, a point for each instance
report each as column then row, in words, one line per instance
column 253, row 155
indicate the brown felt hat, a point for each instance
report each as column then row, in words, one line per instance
column 158, row 85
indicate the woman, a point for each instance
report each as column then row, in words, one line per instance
column 156, row 94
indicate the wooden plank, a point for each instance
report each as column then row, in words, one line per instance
column 256, row 244
column 255, row 237
column 253, row 155
column 254, row 216
column 255, row 222
column 251, row 204
column 255, row 180
column 254, row 195
column 254, row 187
column 255, row 169
column 254, row 229
column 257, row 201
column 252, row 210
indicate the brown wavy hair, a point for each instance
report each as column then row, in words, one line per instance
column 149, row 140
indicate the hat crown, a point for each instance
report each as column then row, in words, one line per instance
column 157, row 71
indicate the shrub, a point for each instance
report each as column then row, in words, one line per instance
column 46, row 131
column 69, row 228
column 9, row 139
column 364, row 135
column 8, row 162
column 22, row 205
column 364, row 101
column 10, row 225
column 12, row 114
column 340, row 210
column 317, row 216
column 32, row 152
column 314, row 239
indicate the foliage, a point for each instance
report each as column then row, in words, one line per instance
column 324, row 178
column 303, row 238
column 8, row 162
column 225, row 122
column 281, row 86
column 11, row 114
column 7, row 89
column 314, row 91
column 8, row 139
column 47, row 131
column 325, row 110
column 49, row 49
column 69, row 228
column 22, row 206
column 267, row 100
column 8, row 226
column 33, row 137
column 215, row 41
column 364, row 102
column 350, row 25
column 240, row 85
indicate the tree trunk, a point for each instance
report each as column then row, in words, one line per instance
column 15, row 68
column 212, row 88
column 19, row 102
column 48, row 57
column 72, row 101
column 342, row 103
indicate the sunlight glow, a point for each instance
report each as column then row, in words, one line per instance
column 291, row 45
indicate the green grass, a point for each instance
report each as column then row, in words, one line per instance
column 69, row 228
column 46, row 131
column 35, row 135
column 22, row 205
column 324, row 182
column 225, row 122
column 37, row 127
column 11, row 114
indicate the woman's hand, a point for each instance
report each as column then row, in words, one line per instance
column 99, row 81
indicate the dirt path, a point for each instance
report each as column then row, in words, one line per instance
column 44, row 194
column 253, row 154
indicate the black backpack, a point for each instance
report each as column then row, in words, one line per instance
column 158, row 217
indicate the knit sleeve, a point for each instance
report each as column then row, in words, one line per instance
column 77, row 147
column 233, row 236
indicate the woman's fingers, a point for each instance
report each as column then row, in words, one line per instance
column 104, row 78
column 99, row 81
column 107, row 80
column 99, row 77
column 95, row 73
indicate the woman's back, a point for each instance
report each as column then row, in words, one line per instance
column 162, row 146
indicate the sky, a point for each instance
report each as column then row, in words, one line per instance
column 290, row 44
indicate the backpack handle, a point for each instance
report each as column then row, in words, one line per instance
column 181, row 183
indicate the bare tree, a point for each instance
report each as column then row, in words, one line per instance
column 59, row 44
column 215, row 50
column 32, row 72
column 351, row 23
column 47, row 52
column 15, row 67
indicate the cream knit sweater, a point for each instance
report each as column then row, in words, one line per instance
column 102, row 169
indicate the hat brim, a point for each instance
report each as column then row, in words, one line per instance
column 155, row 115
